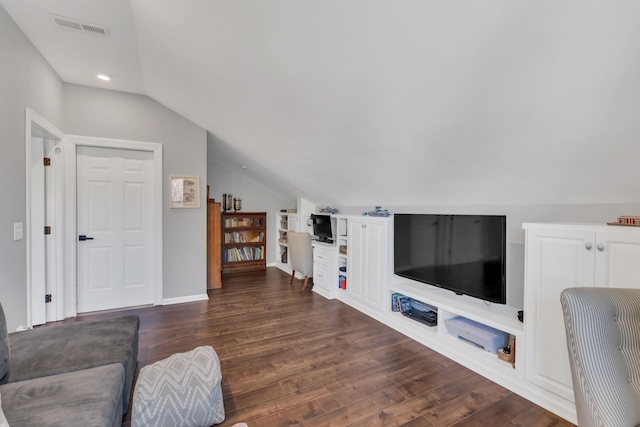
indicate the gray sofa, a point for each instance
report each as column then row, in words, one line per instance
column 72, row 374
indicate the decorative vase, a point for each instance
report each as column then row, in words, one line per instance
column 227, row 200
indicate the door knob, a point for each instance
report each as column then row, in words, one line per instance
column 82, row 238
column 588, row 246
column 600, row 247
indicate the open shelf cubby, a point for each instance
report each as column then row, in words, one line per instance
column 450, row 306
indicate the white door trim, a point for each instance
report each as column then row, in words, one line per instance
column 35, row 126
column 72, row 142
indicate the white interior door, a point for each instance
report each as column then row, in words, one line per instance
column 36, row 223
column 45, row 268
column 115, row 213
column 54, row 242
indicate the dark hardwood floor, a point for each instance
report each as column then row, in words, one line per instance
column 291, row 357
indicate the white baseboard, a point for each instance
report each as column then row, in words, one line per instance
column 189, row 298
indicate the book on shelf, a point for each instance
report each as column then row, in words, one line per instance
column 235, row 222
column 233, row 237
column 246, row 253
column 239, row 237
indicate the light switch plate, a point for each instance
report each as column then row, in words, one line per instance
column 18, row 231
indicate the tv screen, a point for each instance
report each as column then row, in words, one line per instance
column 462, row 253
column 322, row 227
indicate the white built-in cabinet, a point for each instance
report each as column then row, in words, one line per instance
column 325, row 266
column 560, row 256
column 557, row 256
column 367, row 260
column 283, row 223
column 358, row 259
column 290, row 220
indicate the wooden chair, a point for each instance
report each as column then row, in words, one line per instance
column 300, row 255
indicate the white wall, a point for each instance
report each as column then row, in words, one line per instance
column 516, row 216
column 110, row 114
column 26, row 80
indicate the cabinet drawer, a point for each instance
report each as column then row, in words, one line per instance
column 320, row 255
column 320, row 276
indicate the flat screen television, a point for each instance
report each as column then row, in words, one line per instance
column 322, row 227
column 465, row 254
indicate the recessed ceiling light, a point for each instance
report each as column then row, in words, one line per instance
column 105, row 77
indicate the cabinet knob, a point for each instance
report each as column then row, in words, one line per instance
column 588, row 246
column 600, row 247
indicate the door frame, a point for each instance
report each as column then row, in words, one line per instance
column 71, row 143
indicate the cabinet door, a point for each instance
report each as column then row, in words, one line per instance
column 556, row 259
column 367, row 255
column 617, row 260
column 374, row 263
column 320, row 267
column 357, row 254
column 320, row 276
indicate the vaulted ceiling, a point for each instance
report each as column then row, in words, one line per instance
column 361, row 102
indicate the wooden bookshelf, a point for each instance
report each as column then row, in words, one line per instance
column 213, row 244
column 244, row 237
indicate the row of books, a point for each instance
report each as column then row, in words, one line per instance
column 243, row 222
column 244, row 254
column 238, row 237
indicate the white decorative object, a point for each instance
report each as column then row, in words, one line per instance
column 378, row 212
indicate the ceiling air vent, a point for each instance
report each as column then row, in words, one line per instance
column 83, row 27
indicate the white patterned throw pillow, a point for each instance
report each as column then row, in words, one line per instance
column 183, row 390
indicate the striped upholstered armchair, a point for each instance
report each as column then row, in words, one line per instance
column 603, row 339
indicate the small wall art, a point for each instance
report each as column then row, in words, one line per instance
column 185, row 191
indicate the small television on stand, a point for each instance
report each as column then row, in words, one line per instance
column 322, row 229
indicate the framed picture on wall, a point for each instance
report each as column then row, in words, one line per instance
column 185, row 191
